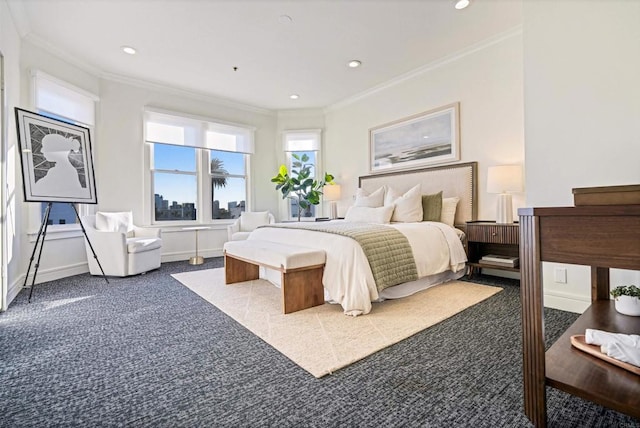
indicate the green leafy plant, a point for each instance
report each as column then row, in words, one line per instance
column 626, row 290
column 300, row 185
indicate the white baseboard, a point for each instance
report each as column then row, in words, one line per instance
column 45, row 275
column 14, row 289
column 566, row 302
column 51, row 274
column 185, row 255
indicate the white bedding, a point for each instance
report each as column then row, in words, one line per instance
column 347, row 276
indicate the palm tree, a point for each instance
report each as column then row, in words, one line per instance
column 220, row 174
column 218, row 180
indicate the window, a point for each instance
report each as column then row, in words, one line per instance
column 227, row 172
column 57, row 99
column 175, row 182
column 305, row 146
column 198, row 167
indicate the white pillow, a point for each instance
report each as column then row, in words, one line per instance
column 373, row 200
column 115, row 222
column 380, row 215
column 407, row 207
column 449, row 206
column 250, row 220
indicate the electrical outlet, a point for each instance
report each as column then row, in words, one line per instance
column 560, row 275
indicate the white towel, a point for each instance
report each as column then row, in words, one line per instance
column 621, row 352
column 623, row 347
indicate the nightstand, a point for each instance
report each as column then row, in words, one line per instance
column 487, row 237
column 328, row 219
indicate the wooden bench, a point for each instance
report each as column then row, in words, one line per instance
column 300, row 269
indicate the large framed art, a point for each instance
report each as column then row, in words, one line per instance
column 56, row 160
column 428, row 138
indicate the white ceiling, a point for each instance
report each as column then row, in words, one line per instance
column 194, row 44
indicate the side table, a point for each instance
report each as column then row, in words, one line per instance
column 486, row 237
column 196, row 260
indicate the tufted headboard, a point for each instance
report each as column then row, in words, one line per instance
column 454, row 180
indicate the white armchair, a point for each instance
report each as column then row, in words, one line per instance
column 122, row 248
column 246, row 223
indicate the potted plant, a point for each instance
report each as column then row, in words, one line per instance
column 300, row 185
column 627, row 299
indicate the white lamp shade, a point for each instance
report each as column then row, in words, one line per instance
column 504, row 178
column 331, row 192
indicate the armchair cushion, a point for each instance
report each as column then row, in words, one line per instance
column 246, row 223
column 249, row 221
column 140, row 245
column 115, row 222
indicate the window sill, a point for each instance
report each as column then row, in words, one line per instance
column 171, row 228
column 56, row 231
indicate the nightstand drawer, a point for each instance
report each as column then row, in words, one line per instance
column 495, row 233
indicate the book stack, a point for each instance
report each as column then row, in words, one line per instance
column 500, row 261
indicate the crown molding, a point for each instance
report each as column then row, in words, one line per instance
column 65, row 56
column 484, row 44
column 303, row 112
column 19, row 16
column 141, row 83
column 178, row 91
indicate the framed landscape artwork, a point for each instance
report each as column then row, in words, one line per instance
column 56, row 160
column 427, row 138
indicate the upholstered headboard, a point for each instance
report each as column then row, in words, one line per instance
column 454, row 180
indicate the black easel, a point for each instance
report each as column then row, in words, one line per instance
column 43, row 233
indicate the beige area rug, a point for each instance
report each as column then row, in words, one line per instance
column 322, row 339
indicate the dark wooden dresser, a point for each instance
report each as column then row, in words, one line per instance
column 601, row 237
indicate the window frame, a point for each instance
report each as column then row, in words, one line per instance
column 246, row 162
column 204, row 201
column 288, row 137
column 35, row 210
column 194, row 173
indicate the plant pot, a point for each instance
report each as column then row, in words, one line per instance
column 628, row 305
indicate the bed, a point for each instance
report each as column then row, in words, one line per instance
column 436, row 247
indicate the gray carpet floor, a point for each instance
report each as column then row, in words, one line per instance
column 145, row 351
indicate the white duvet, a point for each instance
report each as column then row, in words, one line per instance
column 347, row 276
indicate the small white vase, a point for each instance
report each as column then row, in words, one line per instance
column 628, row 305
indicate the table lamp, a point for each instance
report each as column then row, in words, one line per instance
column 331, row 194
column 503, row 179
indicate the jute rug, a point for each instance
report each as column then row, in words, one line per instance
column 322, row 339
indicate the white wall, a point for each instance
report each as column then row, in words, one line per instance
column 582, row 110
column 11, row 215
column 118, row 162
column 486, row 80
column 120, row 158
column 63, row 253
column 289, row 120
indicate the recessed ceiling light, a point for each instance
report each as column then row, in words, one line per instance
column 461, row 4
column 129, row 50
column 354, row 63
column 294, row 96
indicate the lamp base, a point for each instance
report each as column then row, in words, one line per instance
column 333, row 210
column 504, row 209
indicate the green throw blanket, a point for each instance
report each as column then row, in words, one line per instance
column 387, row 250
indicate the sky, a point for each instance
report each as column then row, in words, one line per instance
column 183, row 188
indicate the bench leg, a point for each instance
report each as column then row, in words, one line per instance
column 302, row 289
column 238, row 270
